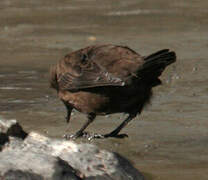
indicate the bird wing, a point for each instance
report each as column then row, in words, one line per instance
column 87, row 76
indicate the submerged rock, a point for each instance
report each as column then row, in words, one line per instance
column 35, row 156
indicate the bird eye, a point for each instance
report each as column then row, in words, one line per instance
column 84, row 59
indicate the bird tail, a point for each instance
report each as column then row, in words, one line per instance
column 155, row 64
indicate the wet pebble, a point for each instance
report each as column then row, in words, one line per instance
column 92, row 38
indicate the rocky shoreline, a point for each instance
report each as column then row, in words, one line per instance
column 32, row 156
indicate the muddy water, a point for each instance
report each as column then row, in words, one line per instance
column 170, row 139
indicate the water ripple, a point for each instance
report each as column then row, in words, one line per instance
column 140, row 11
column 14, row 88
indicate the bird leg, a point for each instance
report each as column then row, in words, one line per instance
column 115, row 132
column 81, row 132
column 69, row 110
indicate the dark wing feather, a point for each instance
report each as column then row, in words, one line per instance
column 89, row 76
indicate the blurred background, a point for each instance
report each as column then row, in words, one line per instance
column 170, row 139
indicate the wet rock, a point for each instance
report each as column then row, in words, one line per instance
column 40, row 157
column 19, row 164
column 10, row 128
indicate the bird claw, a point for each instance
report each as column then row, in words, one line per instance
column 120, row 136
column 90, row 137
column 69, row 136
column 76, row 135
column 101, row 136
column 94, row 136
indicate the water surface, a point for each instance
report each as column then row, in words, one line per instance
column 170, row 139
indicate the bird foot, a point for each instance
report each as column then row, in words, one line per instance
column 90, row 137
column 76, row 135
column 100, row 136
column 96, row 136
column 121, row 136
column 86, row 135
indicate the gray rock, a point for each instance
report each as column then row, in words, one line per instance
column 10, row 128
column 40, row 157
column 34, row 165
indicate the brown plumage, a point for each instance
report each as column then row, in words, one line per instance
column 105, row 79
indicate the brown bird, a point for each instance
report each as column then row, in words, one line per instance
column 106, row 79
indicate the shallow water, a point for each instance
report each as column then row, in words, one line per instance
column 170, row 139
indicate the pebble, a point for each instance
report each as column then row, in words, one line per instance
column 92, row 38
